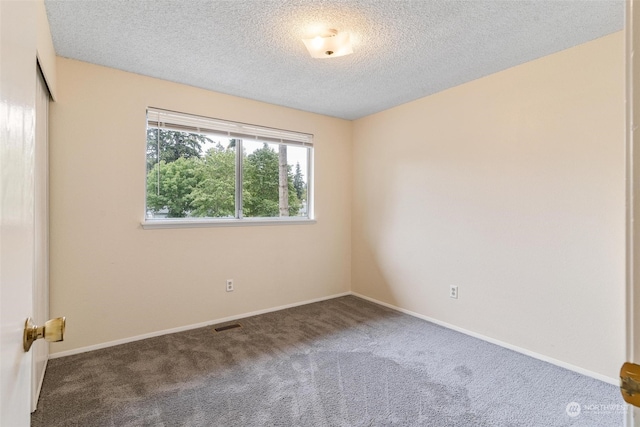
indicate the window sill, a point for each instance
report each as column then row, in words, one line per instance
column 205, row 223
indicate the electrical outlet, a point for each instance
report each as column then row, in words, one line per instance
column 229, row 285
column 453, row 292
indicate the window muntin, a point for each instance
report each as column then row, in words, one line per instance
column 201, row 168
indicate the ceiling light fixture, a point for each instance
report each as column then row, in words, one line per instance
column 330, row 44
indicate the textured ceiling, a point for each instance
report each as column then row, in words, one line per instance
column 403, row 50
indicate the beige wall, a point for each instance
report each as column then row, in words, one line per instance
column 114, row 280
column 511, row 187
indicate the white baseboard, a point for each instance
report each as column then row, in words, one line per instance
column 521, row 350
column 189, row 327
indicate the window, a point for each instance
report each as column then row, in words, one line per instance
column 202, row 170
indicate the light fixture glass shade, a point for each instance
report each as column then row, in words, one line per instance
column 329, row 45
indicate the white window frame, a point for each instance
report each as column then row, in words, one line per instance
column 173, row 120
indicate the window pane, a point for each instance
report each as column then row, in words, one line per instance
column 215, row 193
column 269, row 180
column 189, row 175
column 198, row 168
column 298, row 158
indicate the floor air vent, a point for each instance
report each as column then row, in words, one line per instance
column 226, row 328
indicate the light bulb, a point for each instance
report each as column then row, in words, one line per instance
column 317, row 42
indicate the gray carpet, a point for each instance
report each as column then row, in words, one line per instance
column 342, row 362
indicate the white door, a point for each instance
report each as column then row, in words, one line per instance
column 17, row 140
column 40, row 349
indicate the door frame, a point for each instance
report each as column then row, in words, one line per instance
column 40, row 310
column 632, row 176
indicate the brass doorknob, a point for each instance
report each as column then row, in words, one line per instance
column 630, row 383
column 52, row 331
